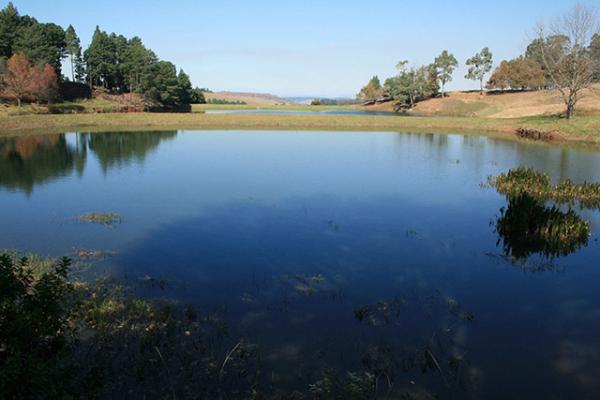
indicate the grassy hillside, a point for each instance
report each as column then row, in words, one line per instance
column 502, row 105
column 252, row 99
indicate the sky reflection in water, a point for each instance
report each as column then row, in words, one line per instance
column 290, row 233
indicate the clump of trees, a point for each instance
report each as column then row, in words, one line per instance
column 111, row 61
column 564, row 56
column 23, row 81
column 125, row 65
column 371, row 92
column 412, row 84
column 519, row 74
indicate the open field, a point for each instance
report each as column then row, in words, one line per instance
column 501, row 105
column 580, row 129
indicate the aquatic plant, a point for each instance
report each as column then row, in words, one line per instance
column 350, row 386
column 114, row 342
column 92, row 255
column 107, row 219
column 534, row 134
column 60, row 338
column 307, row 285
column 433, row 350
column 380, row 313
column 522, row 180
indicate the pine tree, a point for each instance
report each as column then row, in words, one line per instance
column 42, row 43
column 185, row 91
column 73, row 50
column 9, row 22
column 101, row 59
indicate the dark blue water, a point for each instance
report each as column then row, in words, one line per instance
column 349, row 251
column 305, row 112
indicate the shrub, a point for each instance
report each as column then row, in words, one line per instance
column 35, row 326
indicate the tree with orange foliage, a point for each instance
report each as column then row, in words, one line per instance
column 45, row 84
column 23, row 81
column 17, row 78
column 2, row 71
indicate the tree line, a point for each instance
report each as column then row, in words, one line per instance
column 414, row 84
column 564, row 56
column 111, row 61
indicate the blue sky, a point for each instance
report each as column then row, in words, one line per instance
column 305, row 48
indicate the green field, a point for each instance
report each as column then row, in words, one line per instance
column 580, row 129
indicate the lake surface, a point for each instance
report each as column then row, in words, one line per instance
column 306, row 112
column 330, row 250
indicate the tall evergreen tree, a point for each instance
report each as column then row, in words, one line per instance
column 73, row 50
column 101, row 59
column 42, row 43
column 185, row 91
column 120, row 44
column 137, row 66
column 9, row 22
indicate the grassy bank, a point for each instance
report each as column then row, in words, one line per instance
column 580, row 129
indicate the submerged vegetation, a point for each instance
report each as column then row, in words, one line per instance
column 107, row 219
column 64, row 337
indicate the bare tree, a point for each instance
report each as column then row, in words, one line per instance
column 572, row 69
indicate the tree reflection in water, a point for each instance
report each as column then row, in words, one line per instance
column 28, row 161
column 527, row 227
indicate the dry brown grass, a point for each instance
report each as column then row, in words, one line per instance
column 503, row 105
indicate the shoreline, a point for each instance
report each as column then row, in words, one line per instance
column 580, row 130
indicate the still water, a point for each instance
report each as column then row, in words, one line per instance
column 351, row 251
column 306, row 112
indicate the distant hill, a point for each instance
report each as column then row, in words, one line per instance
column 500, row 105
column 253, row 99
column 307, row 100
column 301, row 100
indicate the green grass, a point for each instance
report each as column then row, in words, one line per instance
column 583, row 129
column 83, row 106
